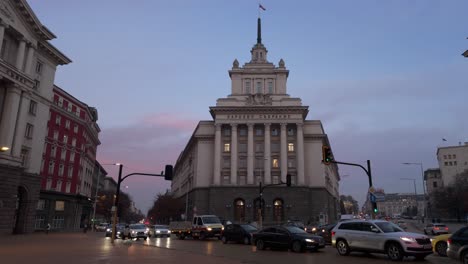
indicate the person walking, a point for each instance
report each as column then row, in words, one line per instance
column 47, row 229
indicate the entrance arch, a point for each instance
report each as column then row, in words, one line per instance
column 239, row 210
column 278, row 210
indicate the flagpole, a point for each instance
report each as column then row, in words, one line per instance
column 258, row 8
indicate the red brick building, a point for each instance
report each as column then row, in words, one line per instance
column 68, row 164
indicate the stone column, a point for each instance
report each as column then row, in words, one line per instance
column 19, row 136
column 29, row 60
column 284, row 153
column 233, row 153
column 300, row 154
column 9, row 116
column 267, row 155
column 2, row 34
column 20, row 55
column 217, row 156
column 250, row 154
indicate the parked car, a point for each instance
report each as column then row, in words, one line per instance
column 379, row 236
column 238, row 233
column 458, row 245
column 290, row 237
column 138, row 231
column 311, row 229
column 159, row 231
column 295, row 223
column 325, row 232
column 436, row 229
column 439, row 244
column 102, row 227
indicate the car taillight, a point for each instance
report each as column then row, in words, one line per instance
column 446, row 228
column 436, row 228
column 333, row 233
column 449, row 241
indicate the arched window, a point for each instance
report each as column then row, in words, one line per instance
column 278, row 211
column 239, row 210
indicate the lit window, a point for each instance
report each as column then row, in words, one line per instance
column 32, row 107
column 275, row 163
column 290, row 147
column 59, row 205
column 227, row 147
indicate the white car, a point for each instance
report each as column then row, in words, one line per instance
column 378, row 236
column 138, row 231
column 160, row 231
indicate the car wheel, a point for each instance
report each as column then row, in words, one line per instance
column 202, row 236
column 297, row 246
column 246, row 241
column 260, row 244
column 342, row 248
column 464, row 257
column 441, row 248
column 224, row 239
column 395, row 252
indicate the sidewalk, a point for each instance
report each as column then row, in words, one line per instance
column 91, row 247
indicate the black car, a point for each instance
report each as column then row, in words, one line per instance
column 238, row 233
column 458, row 245
column 120, row 229
column 289, row 237
column 325, row 232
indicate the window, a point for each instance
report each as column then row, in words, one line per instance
column 259, row 163
column 63, row 154
column 275, row 179
column 259, row 147
column 61, row 167
column 75, row 128
column 39, row 222
column 291, row 147
column 449, row 156
column 53, row 151
column 40, row 204
column 78, row 111
column 259, row 132
column 445, row 156
column 51, row 167
column 25, row 157
column 58, row 188
column 37, row 84
column 275, row 163
column 67, row 190
column 450, row 163
column 454, row 156
column 58, row 222
column 259, row 87
column 242, row 163
column 70, row 172
column 226, row 163
column 446, row 163
column 69, row 107
column 243, row 132
column 29, row 131
column 270, row 87
column 275, row 147
column 42, row 165
column 73, row 142
column 291, row 163
column 65, row 139
column 67, row 124
column 60, row 101
column 57, row 120
column 434, row 184
column 455, row 163
column 274, row 132
column 59, row 205
column 242, row 147
column 55, row 135
column 290, row 131
column 32, row 107
column 49, row 184
column 72, row 156
column 247, row 87
column 227, row 147
column 227, row 131
column 39, row 67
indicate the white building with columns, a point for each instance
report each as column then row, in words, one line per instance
column 27, row 71
column 259, row 134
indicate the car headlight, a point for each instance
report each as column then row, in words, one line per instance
column 222, row 228
column 108, row 230
column 431, row 239
column 408, row 239
column 118, row 232
column 133, row 232
column 147, row 229
column 309, row 240
column 158, row 231
column 314, row 229
column 209, row 229
column 168, row 231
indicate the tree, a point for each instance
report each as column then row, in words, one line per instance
column 350, row 206
column 452, row 200
column 165, row 209
column 105, row 201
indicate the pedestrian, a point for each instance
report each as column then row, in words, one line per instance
column 47, row 229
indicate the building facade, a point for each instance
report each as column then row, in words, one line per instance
column 452, row 161
column 68, row 164
column 27, row 71
column 258, row 135
column 433, row 179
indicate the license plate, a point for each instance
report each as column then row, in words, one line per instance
column 427, row 246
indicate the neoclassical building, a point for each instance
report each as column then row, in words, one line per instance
column 27, row 71
column 259, row 134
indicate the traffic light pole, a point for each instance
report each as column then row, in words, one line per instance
column 261, row 188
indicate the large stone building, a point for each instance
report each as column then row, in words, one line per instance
column 68, row 164
column 27, row 71
column 452, row 161
column 259, row 134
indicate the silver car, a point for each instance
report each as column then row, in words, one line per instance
column 138, row 231
column 378, row 236
column 436, row 229
column 160, row 231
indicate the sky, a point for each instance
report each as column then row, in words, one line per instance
column 386, row 78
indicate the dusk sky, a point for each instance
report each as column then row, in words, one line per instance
column 386, row 78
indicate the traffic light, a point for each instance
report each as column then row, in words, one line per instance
column 327, row 156
column 374, row 207
column 168, row 173
column 288, row 180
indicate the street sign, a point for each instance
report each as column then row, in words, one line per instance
column 371, row 189
column 114, row 208
column 372, row 197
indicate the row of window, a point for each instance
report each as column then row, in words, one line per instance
column 58, row 121
column 58, row 186
column 59, row 205
column 450, row 156
column 259, row 147
column 61, row 169
column 68, row 106
column 450, row 163
column 258, row 163
column 58, row 222
column 258, row 131
column 259, row 88
column 258, row 177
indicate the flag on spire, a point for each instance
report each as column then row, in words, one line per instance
column 443, row 139
column 261, row 7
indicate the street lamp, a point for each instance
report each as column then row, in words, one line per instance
column 424, row 187
column 4, row 149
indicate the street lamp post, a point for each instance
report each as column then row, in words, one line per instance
column 423, row 186
column 414, row 182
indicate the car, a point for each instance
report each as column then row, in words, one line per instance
column 289, row 237
column 439, row 244
column 102, row 227
column 120, row 230
column 138, row 231
column 159, row 231
column 241, row 233
column 458, row 245
column 379, row 236
column 325, row 232
column 295, row 223
column 402, row 224
column 436, row 229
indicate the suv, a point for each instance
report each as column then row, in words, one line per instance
column 458, row 245
column 378, row 236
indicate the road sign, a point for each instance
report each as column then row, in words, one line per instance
column 113, row 208
column 372, row 197
column 371, row 189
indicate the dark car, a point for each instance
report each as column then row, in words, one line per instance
column 238, row 233
column 325, row 232
column 289, row 237
column 120, row 229
column 458, row 245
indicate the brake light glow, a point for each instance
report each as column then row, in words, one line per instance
column 449, row 241
column 446, row 228
column 333, row 233
column 436, row 228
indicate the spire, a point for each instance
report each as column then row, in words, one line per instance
column 259, row 31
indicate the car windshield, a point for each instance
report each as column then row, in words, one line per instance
column 295, row 230
column 138, row 226
column 249, row 228
column 438, row 225
column 388, row 227
column 160, row 227
column 211, row 220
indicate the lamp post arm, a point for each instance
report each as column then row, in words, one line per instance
column 143, row 174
